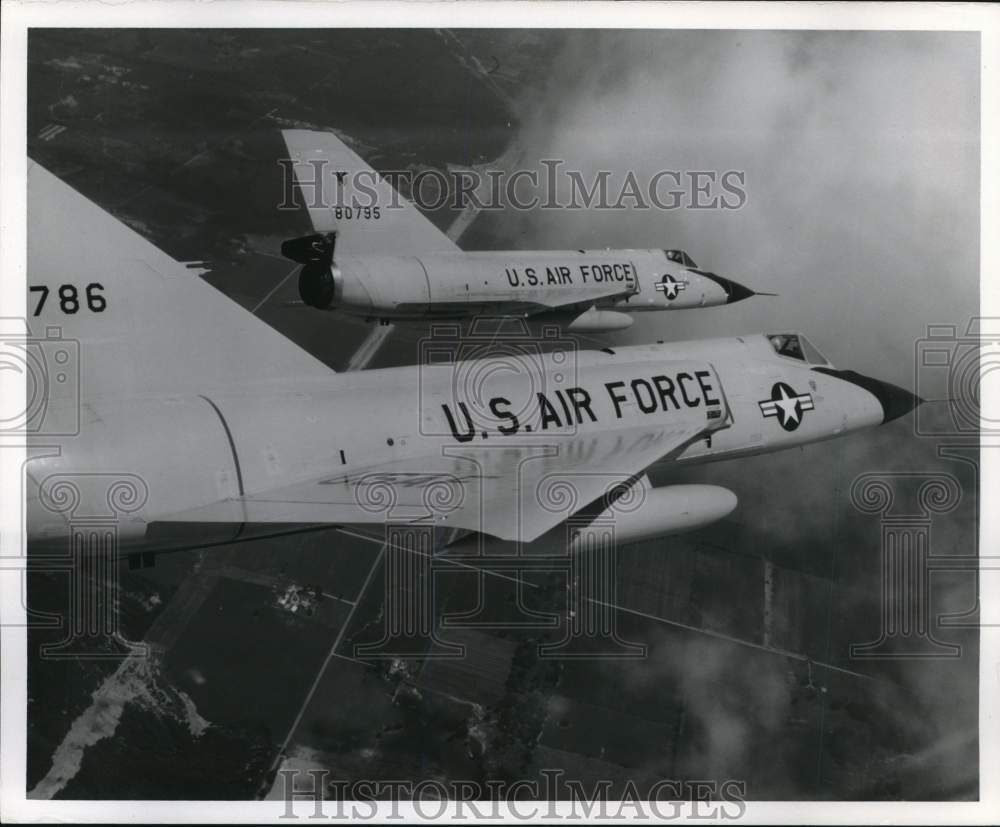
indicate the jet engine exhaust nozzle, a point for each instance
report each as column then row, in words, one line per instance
column 318, row 285
column 319, row 277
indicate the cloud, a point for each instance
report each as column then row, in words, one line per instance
column 861, row 154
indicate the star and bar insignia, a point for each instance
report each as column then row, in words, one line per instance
column 670, row 286
column 787, row 405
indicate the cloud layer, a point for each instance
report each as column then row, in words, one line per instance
column 861, row 154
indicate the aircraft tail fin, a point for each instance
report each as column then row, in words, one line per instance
column 132, row 320
column 344, row 194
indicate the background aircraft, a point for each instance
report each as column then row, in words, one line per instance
column 374, row 255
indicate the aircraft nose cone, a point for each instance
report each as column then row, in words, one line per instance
column 735, row 291
column 895, row 401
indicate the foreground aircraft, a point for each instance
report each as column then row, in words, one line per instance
column 376, row 256
column 169, row 403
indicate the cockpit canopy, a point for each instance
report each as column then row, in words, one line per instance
column 680, row 257
column 796, row 346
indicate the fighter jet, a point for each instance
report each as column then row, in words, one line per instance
column 375, row 256
column 155, row 399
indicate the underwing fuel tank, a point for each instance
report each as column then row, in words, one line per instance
column 656, row 512
column 600, row 321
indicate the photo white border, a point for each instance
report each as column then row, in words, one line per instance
column 19, row 15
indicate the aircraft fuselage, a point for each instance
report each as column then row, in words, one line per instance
column 200, row 449
column 448, row 285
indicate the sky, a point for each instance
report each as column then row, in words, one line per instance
column 861, row 156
